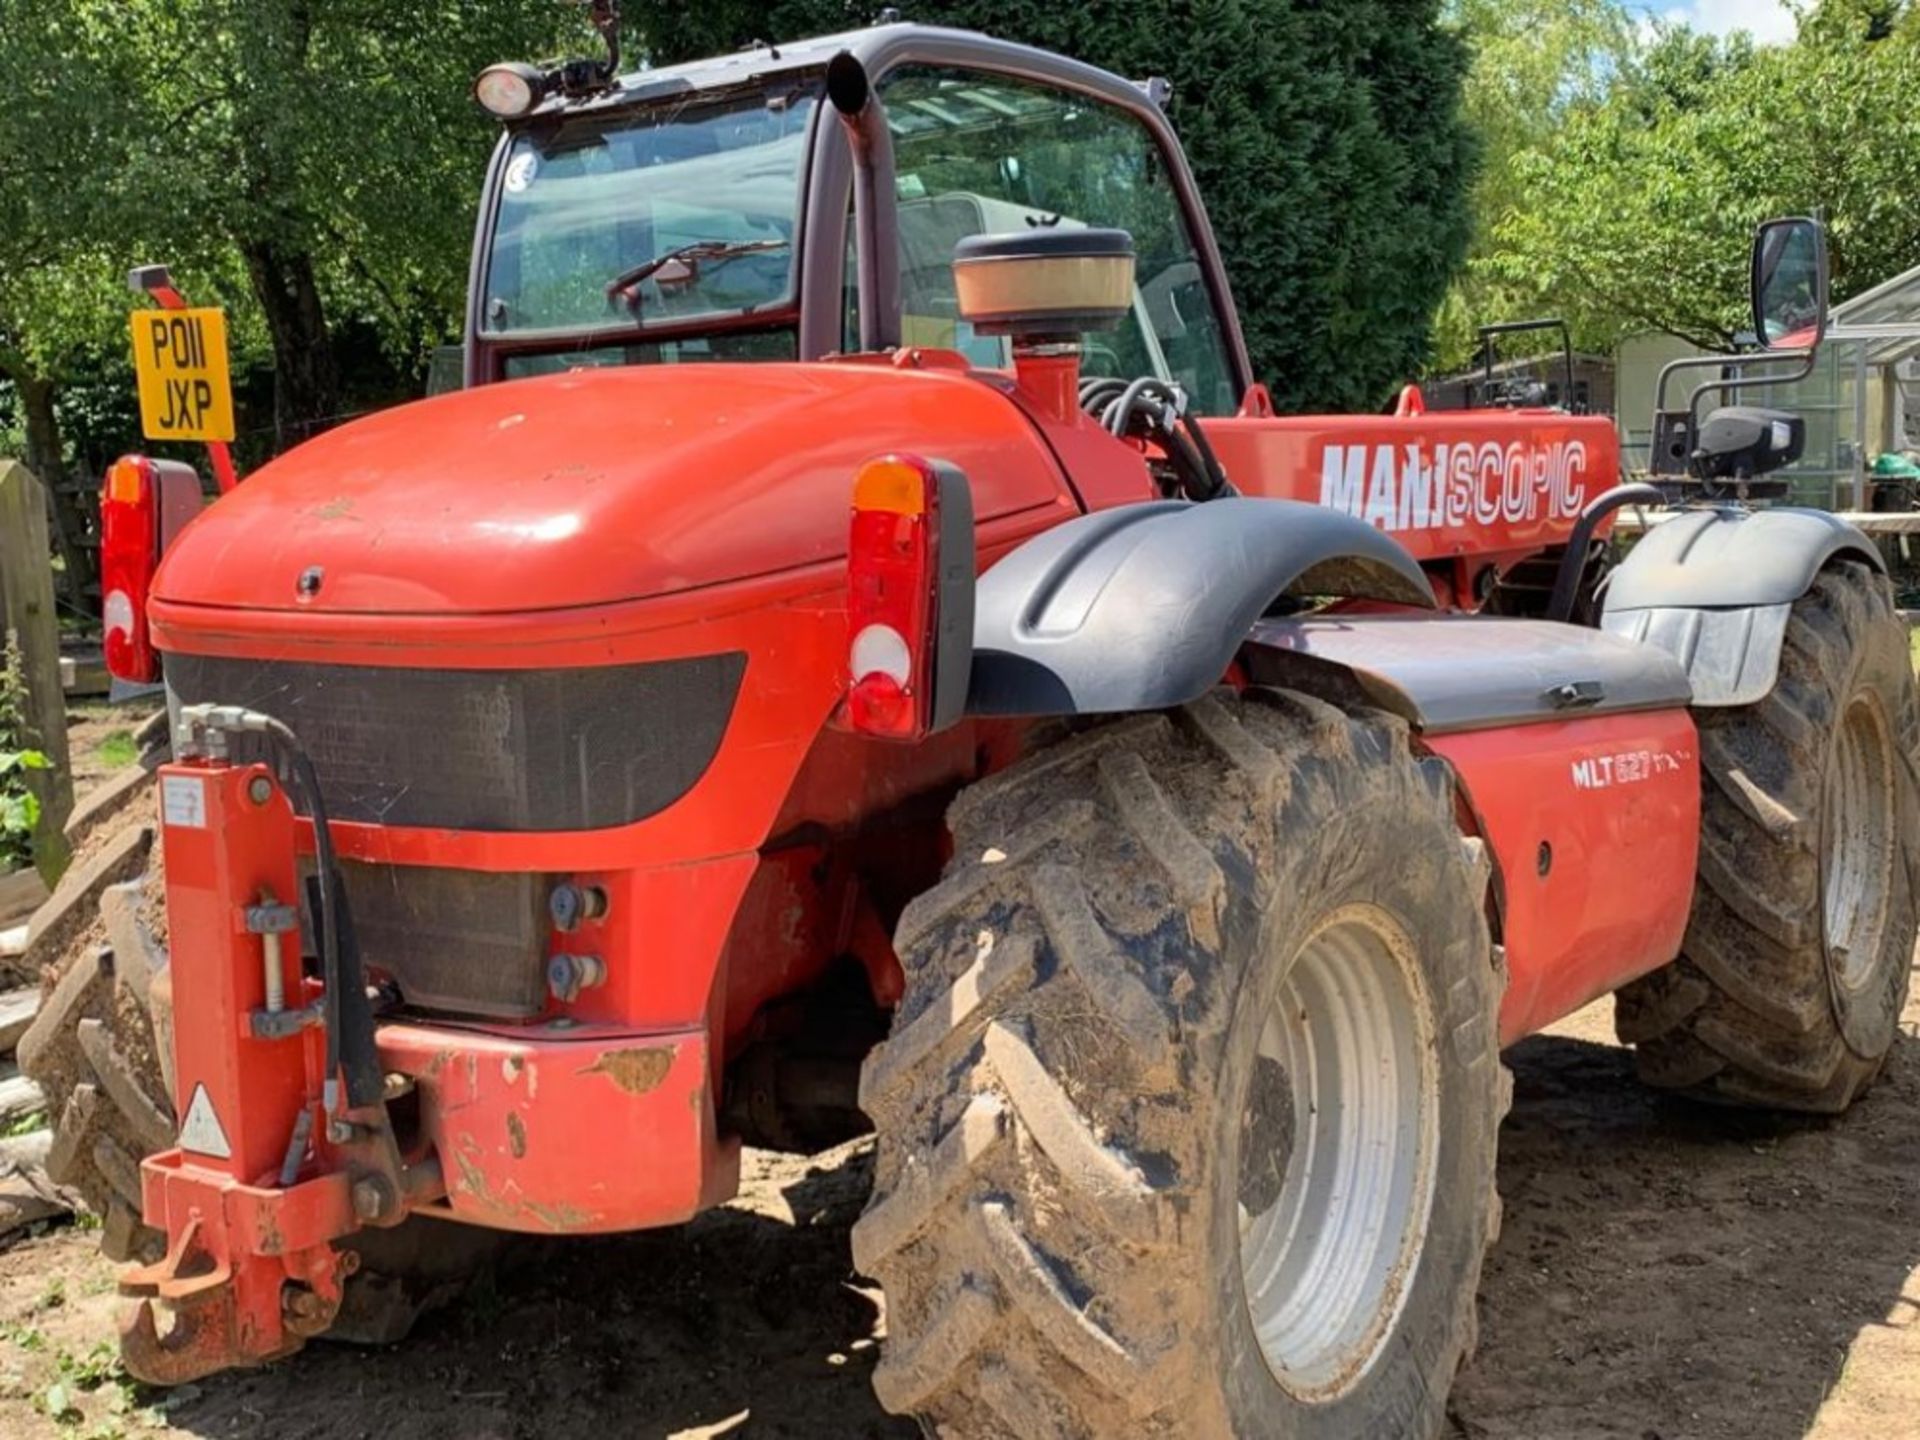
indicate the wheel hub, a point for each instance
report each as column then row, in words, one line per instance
column 1858, row 853
column 1337, row 1181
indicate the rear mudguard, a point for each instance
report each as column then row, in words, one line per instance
column 1144, row 606
column 1712, row 588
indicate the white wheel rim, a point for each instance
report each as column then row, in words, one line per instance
column 1328, row 1262
column 1856, row 874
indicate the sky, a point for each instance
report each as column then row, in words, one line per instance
column 1769, row 20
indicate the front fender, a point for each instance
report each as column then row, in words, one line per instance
column 1713, row 588
column 1144, row 606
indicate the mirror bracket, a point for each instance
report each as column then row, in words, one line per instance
column 1674, row 429
column 1672, row 442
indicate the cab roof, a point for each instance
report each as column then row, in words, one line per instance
column 762, row 64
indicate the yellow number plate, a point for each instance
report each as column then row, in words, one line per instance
column 186, row 392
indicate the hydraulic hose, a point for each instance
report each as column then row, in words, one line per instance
column 1097, row 391
column 1208, row 460
column 1573, row 562
column 305, row 780
column 1168, row 421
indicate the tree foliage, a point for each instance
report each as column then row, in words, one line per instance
column 1327, row 140
column 1535, row 62
column 19, row 805
column 1636, row 209
column 310, row 164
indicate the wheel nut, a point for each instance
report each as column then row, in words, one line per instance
column 369, row 1198
column 301, row 1303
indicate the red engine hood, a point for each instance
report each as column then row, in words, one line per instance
column 592, row 487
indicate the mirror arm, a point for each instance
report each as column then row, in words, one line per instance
column 1802, row 360
column 1804, row 367
column 1674, row 430
column 1702, row 362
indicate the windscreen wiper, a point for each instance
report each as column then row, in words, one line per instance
column 626, row 285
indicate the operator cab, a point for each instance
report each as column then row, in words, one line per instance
column 706, row 212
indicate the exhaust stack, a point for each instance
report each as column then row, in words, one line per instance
column 875, row 214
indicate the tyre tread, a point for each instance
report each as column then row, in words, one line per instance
column 1002, row 1304
column 1746, row 1015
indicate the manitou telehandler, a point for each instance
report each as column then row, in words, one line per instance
column 861, row 649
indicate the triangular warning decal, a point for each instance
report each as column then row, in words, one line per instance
column 201, row 1132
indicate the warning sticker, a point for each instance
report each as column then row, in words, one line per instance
column 521, row 170
column 201, row 1132
column 183, row 801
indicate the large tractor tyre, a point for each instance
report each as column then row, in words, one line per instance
column 101, row 1050
column 1795, row 966
column 1187, row 1120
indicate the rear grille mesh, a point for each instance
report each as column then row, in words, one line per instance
column 500, row 750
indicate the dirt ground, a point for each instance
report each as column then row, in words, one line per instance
column 100, row 739
column 1665, row 1273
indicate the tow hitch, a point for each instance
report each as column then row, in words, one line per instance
column 286, row 1145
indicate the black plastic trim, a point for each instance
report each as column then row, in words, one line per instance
column 1726, row 557
column 1713, row 586
column 1044, row 244
column 1144, row 606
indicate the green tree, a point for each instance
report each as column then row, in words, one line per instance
column 335, row 147
column 19, row 800
column 1535, row 62
column 1327, row 140
column 1637, row 211
column 57, row 227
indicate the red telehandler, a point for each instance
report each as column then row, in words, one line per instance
column 861, row 649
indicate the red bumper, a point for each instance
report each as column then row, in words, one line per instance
column 567, row 1131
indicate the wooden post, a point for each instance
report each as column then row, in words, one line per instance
column 26, row 581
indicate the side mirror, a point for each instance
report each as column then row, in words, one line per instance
column 1790, row 284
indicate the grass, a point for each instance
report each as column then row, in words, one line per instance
column 102, row 734
column 117, row 750
column 24, row 1125
column 77, row 1375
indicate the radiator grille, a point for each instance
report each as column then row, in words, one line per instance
column 464, row 941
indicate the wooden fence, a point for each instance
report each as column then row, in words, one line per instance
column 28, row 614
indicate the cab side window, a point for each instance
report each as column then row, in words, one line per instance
column 984, row 154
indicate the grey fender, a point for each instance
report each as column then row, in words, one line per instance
column 1713, row 588
column 1145, row 606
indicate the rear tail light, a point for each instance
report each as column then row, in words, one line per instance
column 129, row 551
column 910, row 597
